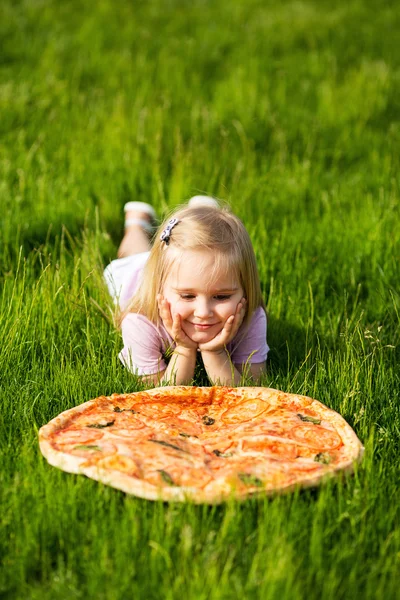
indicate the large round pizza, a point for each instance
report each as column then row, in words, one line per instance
column 205, row 444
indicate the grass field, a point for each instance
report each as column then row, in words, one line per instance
column 291, row 112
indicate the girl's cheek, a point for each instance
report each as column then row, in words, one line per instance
column 174, row 305
column 178, row 307
column 172, row 301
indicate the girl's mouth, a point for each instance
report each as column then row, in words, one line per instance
column 200, row 327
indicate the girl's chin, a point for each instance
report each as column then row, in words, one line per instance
column 201, row 337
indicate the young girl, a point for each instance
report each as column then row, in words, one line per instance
column 195, row 291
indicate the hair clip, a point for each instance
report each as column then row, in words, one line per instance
column 166, row 234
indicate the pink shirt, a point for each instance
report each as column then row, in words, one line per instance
column 146, row 344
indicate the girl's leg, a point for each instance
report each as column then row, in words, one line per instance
column 136, row 239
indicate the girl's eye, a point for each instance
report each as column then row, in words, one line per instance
column 222, row 297
column 187, row 296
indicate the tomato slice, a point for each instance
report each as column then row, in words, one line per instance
column 77, row 436
column 127, row 433
column 127, row 421
column 245, row 411
column 93, row 419
column 182, row 426
column 157, row 410
column 273, row 448
column 316, row 437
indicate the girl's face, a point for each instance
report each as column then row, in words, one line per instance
column 204, row 298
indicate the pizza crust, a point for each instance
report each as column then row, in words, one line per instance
column 241, row 449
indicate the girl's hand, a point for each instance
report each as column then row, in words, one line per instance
column 228, row 331
column 173, row 324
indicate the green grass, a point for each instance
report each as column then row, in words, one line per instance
column 290, row 111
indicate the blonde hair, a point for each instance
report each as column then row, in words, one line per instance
column 199, row 228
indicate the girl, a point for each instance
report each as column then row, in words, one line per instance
column 195, row 291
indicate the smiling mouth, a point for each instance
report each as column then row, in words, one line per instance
column 201, row 327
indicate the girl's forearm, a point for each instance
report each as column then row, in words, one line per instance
column 220, row 368
column 180, row 370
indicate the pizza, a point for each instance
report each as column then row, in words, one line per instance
column 203, row 444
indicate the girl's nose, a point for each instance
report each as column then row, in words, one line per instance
column 202, row 309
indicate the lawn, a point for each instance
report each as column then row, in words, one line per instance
column 290, row 112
